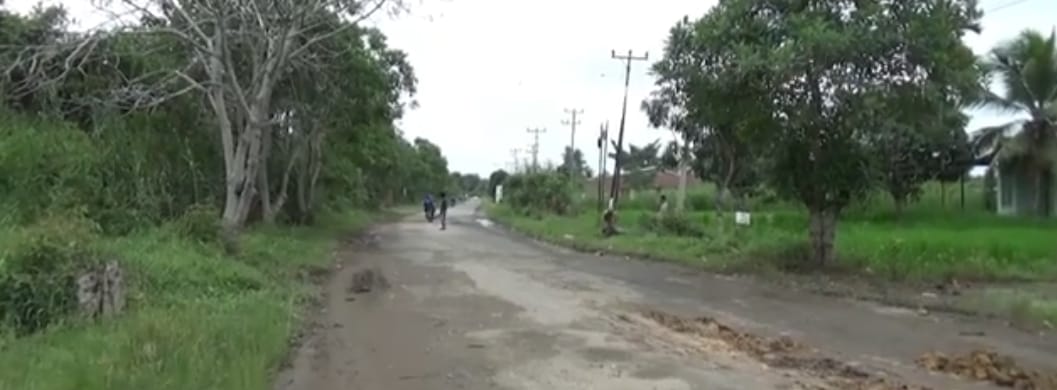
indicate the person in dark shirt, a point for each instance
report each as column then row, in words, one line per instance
column 443, row 211
column 428, row 207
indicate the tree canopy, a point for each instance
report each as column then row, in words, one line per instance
column 263, row 122
column 808, row 85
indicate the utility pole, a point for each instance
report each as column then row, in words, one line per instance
column 615, row 190
column 515, row 152
column 603, row 140
column 569, row 160
column 536, row 146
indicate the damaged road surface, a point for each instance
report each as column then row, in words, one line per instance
column 474, row 307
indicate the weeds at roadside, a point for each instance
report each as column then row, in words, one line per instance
column 197, row 319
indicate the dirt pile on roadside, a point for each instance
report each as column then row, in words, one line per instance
column 781, row 353
column 988, row 366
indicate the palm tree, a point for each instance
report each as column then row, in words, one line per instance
column 1027, row 68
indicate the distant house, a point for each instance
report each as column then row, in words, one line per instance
column 663, row 180
column 1017, row 185
column 1017, row 189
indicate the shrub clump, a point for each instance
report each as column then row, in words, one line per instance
column 38, row 273
column 674, row 224
column 200, row 223
column 535, row 193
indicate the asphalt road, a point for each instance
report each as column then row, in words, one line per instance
column 475, row 307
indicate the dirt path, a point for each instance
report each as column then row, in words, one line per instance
column 476, row 308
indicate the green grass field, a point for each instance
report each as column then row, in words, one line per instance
column 197, row 319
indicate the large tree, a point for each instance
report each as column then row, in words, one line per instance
column 241, row 52
column 1026, row 67
column 823, row 73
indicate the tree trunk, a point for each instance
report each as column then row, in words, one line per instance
column 943, row 194
column 719, row 199
column 823, row 231
column 961, row 193
column 1041, row 192
column 282, row 193
column 900, row 202
column 267, row 211
column 680, row 197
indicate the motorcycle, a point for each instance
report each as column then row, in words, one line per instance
column 430, row 213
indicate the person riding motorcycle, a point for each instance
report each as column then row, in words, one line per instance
column 428, row 207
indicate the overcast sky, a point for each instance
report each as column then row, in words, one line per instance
column 490, row 69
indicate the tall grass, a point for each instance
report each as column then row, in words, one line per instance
column 197, row 319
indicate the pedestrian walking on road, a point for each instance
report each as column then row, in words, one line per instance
column 443, row 211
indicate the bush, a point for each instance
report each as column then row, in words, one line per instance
column 680, row 225
column 200, row 223
column 536, row 193
column 45, row 167
column 38, row 274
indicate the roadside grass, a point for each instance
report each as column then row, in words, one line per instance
column 912, row 249
column 196, row 319
column 1024, row 305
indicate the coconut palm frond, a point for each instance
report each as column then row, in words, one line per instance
column 991, row 100
column 1027, row 68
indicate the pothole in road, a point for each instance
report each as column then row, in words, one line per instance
column 367, row 280
column 781, row 353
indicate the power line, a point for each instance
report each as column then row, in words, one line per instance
column 1004, row 6
column 536, row 146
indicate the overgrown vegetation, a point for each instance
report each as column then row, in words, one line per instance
column 213, row 150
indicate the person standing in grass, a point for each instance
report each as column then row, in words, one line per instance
column 443, row 211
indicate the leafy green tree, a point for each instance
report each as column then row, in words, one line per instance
column 497, row 178
column 919, row 142
column 822, row 74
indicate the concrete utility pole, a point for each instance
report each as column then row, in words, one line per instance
column 603, row 140
column 515, row 152
column 569, row 160
column 615, row 190
column 536, row 146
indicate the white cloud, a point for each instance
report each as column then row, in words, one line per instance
column 489, row 69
